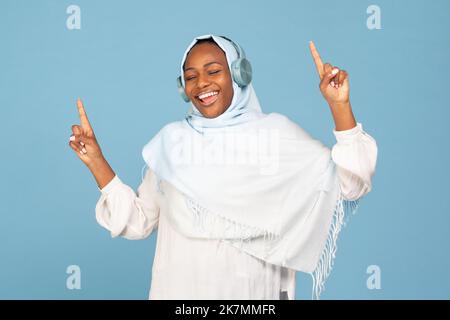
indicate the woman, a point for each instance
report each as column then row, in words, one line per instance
column 241, row 199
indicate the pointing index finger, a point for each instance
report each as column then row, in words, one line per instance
column 317, row 59
column 83, row 116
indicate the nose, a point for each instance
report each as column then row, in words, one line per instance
column 203, row 81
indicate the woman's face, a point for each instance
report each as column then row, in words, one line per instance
column 208, row 80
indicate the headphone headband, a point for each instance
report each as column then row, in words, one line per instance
column 240, row 51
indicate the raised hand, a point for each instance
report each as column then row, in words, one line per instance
column 333, row 81
column 85, row 145
column 335, row 89
column 83, row 140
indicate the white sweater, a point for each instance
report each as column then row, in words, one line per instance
column 188, row 268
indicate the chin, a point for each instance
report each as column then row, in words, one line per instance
column 210, row 111
column 210, row 114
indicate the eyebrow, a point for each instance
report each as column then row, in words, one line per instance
column 205, row 65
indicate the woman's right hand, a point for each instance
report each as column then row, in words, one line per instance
column 84, row 143
column 83, row 140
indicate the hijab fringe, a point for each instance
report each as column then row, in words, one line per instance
column 213, row 223
column 323, row 269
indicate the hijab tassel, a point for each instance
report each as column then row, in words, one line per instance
column 326, row 261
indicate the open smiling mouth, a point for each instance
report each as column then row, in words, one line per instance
column 208, row 98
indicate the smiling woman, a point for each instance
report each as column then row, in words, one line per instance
column 208, row 79
column 226, row 229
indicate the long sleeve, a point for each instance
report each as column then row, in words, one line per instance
column 125, row 213
column 355, row 155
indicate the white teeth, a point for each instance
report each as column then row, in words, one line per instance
column 208, row 94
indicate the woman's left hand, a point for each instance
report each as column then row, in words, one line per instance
column 333, row 81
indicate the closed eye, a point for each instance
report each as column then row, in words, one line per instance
column 210, row 73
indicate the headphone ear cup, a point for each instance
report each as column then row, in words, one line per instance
column 181, row 90
column 241, row 70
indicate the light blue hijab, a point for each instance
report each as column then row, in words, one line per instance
column 244, row 106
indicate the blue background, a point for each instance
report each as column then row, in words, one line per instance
column 123, row 63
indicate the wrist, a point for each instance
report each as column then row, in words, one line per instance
column 339, row 105
column 102, row 172
column 97, row 163
column 343, row 116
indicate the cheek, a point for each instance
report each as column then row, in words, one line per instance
column 187, row 87
column 227, row 87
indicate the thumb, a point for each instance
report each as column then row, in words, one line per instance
column 76, row 130
column 327, row 78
